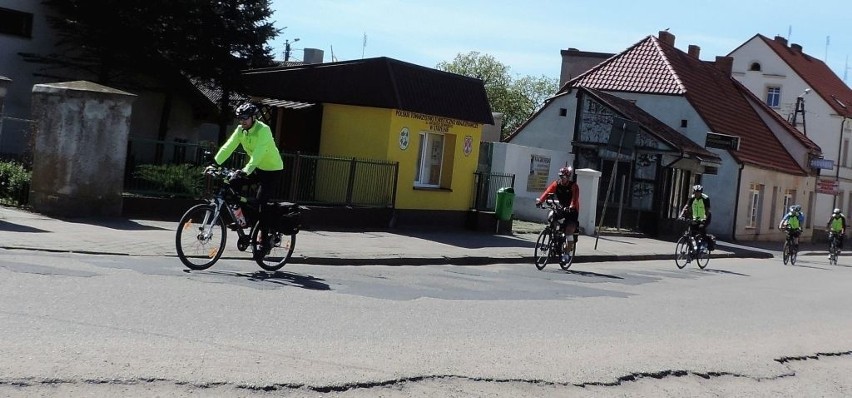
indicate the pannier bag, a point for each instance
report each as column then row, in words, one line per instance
column 711, row 242
column 286, row 217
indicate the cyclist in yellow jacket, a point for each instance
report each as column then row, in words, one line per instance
column 698, row 209
column 837, row 225
column 265, row 166
column 792, row 222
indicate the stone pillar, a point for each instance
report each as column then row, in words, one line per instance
column 588, row 180
column 80, row 147
column 4, row 88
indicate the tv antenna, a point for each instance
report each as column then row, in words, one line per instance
column 287, row 48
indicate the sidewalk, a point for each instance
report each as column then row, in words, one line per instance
column 23, row 230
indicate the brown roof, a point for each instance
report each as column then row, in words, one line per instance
column 654, row 67
column 376, row 82
column 815, row 73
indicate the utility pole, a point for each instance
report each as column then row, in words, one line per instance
column 287, row 49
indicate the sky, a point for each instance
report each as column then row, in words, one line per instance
column 527, row 36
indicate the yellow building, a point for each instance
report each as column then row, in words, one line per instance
column 427, row 121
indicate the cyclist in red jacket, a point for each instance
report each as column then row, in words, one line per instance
column 567, row 192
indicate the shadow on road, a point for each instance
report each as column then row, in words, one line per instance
column 12, row 227
column 277, row 277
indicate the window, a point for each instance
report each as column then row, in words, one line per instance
column 773, row 96
column 755, row 66
column 563, row 112
column 789, row 200
column 683, row 123
column 773, row 209
column 754, row 206
column 16, row 23
column 430, row 159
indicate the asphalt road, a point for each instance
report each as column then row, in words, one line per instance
column 78, row 325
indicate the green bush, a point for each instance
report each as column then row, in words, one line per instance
column 172, row 179
column 14, row 183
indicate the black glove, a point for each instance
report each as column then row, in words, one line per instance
column 238, row 175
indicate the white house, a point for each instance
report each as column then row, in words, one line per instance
column 694, row 124
column 804, row 90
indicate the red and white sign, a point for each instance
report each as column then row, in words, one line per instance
column 826, row 186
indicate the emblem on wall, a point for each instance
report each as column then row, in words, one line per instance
column 468, row 145
column 404, row 138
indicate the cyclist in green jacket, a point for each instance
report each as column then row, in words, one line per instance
column 792, row 223
column 697, row 208
column 265, row 166
column 837, row 225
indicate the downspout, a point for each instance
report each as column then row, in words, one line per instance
column 737, row 203
column 837, row 173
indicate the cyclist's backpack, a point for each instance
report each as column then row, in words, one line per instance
column 711, row 242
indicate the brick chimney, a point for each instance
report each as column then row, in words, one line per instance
column 667, row 37
column 797, row 48
column 781, row 40
column 724, row 64
column 694, row 51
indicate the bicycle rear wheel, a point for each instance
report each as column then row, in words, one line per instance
column 567, row 264
column 543, row 248
column 273, row 253
column 682, row 255
column 794, row 254
column 702, row 255
column 200, row 239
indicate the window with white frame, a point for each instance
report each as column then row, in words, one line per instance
column 789, row 200
column 754, row 206
column 773, row 96
column 430, row 160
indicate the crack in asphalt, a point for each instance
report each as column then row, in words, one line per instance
column 632, row 377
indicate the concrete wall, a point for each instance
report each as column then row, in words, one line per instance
column 531, row 176
column 80, row 148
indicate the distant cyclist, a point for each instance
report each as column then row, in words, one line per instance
column 837, row 226
column 697, row 210
column 792, row 223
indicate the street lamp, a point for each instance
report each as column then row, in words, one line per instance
column 800, row 107
column 287, row 49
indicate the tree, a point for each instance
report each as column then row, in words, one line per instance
column 116, row 42
column 517, row 99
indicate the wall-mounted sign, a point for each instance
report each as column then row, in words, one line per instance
column 539, row 171
column 404, row 138
column 468, row 145
column 825, row 164
column 722, row 141
column 826, row 186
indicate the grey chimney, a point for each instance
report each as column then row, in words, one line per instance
column 313, row 56
column 781, row 40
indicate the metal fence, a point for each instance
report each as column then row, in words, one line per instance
column 173, row 169
column 486, row 186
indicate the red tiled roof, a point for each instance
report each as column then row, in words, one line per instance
column 816, row 74
column 654, row 67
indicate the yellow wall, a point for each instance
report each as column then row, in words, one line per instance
column 457, row 175
column 374, row 133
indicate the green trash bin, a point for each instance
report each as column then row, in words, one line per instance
column 505, row 203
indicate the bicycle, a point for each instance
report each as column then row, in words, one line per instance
column 790, row 252
column 201, row 232
column 691, row 246
column 833, row 246
column 552, row 238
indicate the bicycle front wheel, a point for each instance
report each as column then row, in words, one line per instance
column 200, row 238
column 543, row 248
column 785, row 253
column 682, row 256
column 275, row 251
column 567, row 264
column 832, row 252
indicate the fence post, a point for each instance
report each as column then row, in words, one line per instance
column 395, row 183
column 294, row 182
column 351, row 183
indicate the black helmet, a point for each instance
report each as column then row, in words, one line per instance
column 246, row 111
column 697, row 188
